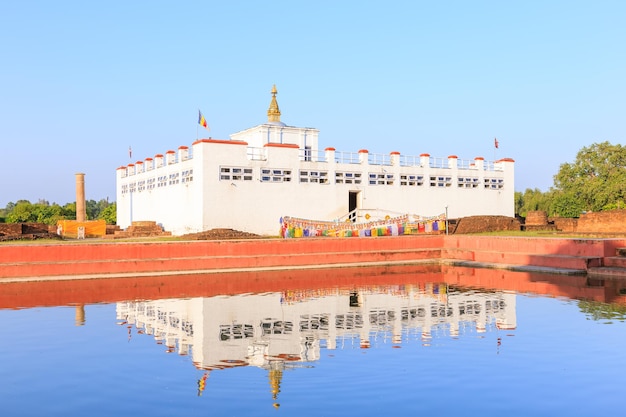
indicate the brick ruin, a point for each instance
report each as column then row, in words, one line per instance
column 138, row 229
column 611, row 222
column 481, row 224
column 27, row 231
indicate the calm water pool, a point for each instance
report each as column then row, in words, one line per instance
column 401, row 341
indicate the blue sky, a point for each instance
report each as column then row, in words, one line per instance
column 81, row 81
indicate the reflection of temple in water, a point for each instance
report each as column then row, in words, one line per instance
column 275, row 330
column 261, row 329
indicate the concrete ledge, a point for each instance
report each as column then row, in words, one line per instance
column 210, row 262
column 99, row 259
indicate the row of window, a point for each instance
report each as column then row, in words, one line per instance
column 159, row 182
column 276, row 326
column 315, row 177
column 154, row 315
column 348, row 177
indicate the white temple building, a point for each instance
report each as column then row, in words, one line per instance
column 263, row 173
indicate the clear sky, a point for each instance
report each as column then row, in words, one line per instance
column 81, row 81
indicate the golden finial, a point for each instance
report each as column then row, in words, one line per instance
column 276, row 376
column 273, row 113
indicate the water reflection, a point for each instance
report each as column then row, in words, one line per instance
column 248, row 329
column 276, row 330
column 439, row 326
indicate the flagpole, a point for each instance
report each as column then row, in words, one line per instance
column 495, row 148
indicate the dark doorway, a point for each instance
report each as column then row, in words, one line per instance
column 353, row 204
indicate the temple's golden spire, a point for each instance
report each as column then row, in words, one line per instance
column 276, row 376
column 273, row 113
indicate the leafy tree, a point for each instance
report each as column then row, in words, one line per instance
column 69, row 210
column 109, row 214
column 95, row 208
column 565, row 205
column 531, row 200
column 23, row 211
column 41, row 212
column 595, row 181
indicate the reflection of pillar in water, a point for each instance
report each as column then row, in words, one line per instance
column 454, row 327
column 481, row 320
column 397, row 327
column 81, row 210
column 276, row 376
column 79, row 316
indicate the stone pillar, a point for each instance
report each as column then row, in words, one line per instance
column 81, row 209
column 79, row 316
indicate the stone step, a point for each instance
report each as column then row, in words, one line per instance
column 541, row 260
column 109, row 251
column 615, row 261
column 607, row 271
column 553, row 261
column 142, row 265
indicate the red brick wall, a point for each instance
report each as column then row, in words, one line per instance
column 10, row 229
column 563, row 224
column 613, row 221
column 536, row 218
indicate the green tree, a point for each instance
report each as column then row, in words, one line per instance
column 95, row 208
column 22, row 212
column 109, row 214
column 565, row 205
column 69, row 211
column 532, row 200
column 595, row 181
column 41, row 212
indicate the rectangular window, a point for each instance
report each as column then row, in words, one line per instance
column 275, row 175
column 440, row 181
column 316, row 177
column 235, row 174
column 494, row 183
column 347, row 178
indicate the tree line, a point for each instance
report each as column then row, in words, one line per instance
column 595, row 181
column 23, row 211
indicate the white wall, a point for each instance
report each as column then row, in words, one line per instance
column 216, row 199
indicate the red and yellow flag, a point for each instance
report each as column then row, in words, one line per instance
column 202, row 121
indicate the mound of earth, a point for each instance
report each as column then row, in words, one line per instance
column 220, row 234
column 482, row 224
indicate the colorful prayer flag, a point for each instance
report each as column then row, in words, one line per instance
column 202, row 121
